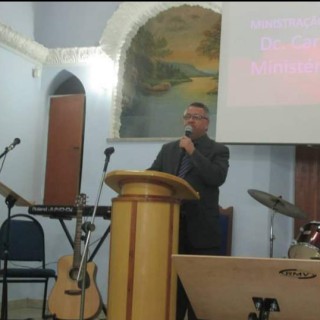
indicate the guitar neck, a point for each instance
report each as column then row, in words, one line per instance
column 78, row 233
column 77, row 243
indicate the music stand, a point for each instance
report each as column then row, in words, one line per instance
column 11, row 199
column 235, row 288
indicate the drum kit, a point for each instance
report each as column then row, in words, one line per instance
column 307, row 244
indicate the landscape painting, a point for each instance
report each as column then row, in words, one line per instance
column 172, row 60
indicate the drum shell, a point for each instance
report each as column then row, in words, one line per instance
column 308, row 242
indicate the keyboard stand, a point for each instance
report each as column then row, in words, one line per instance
column 67, row 233
column 61, row 213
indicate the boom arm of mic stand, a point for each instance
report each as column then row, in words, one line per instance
column 6, row 150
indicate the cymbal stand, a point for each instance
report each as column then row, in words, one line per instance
column 10, row 201
column 90, row 228
column 272, row 237
column 271, row 234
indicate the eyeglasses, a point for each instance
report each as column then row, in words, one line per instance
column 197, row 117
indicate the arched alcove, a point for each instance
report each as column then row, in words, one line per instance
column 65, row 82
column 71, row 85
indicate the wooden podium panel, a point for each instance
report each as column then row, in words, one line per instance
column 144, row 234
column 224, row 287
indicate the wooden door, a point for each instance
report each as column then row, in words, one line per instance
column 307, row 184
column 64, row 151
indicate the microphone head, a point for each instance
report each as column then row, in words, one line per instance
column 16, row 141
column 109, row 151
column 188, row 131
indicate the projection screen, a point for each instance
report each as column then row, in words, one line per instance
column 269, row 73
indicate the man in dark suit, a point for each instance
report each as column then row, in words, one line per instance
column 204, row 164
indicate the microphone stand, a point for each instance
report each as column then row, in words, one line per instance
column 10, row 201
column 89, row 228
column 6, row 150
column 4, row 159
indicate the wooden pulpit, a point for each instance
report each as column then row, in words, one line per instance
column 144, row 234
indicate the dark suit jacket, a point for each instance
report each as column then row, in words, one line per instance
column 210, row 163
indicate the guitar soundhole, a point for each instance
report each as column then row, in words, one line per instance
column 74, row 274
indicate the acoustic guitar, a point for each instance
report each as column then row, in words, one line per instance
column 66, row 295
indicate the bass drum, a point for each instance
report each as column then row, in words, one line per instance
column 308, row 242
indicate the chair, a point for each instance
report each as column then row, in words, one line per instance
column 27, row 245
column 226, row 220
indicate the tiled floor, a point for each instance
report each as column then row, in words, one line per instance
column 27, row 309
column 30, row 310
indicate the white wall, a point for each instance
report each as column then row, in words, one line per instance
column 19, row 16
column 269, row 169
column 21, row 117
column 24, row 103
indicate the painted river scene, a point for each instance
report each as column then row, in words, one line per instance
column 172, row 61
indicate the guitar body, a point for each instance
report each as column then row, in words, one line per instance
column 65, row 297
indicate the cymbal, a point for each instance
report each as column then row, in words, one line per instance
column 277, row 204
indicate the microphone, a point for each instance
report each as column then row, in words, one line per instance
column 13, row 144
column 109, row 151
column 188, row 131
column 10, row 147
